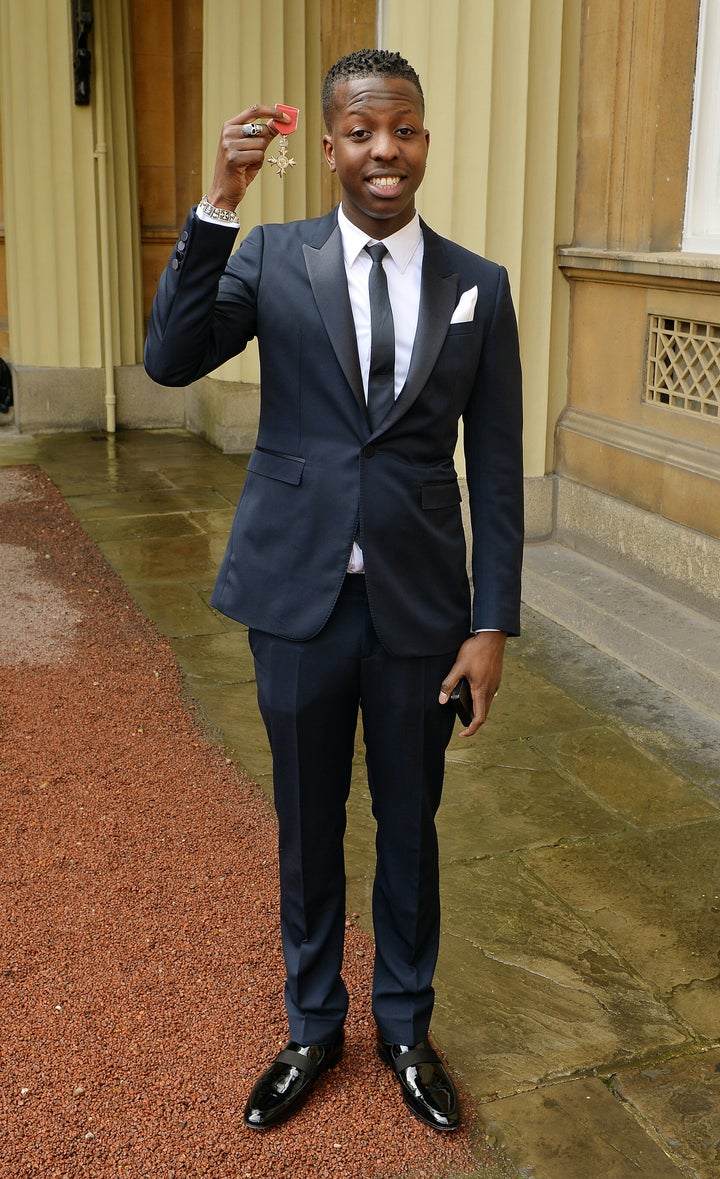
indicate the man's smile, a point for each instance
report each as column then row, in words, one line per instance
column 384, row 182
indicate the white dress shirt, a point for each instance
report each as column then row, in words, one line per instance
column 403, row 270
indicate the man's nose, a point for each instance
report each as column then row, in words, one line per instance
column 384, row 146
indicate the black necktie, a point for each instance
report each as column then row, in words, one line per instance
column 381, row 379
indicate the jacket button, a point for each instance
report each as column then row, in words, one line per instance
column 180, row 246
column 175, row 264
column 369, row 450
column 184, row 235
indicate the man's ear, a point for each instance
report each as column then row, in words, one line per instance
column 329, row 152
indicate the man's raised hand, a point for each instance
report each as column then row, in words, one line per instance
column 240, row 156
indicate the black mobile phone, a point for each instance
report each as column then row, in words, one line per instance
column 462, row 702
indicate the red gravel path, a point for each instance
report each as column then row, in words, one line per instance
column 140, row 978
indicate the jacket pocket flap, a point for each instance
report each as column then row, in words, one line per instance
column 284, row 467
column 441, row 495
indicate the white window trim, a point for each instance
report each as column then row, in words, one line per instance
column 702, row 207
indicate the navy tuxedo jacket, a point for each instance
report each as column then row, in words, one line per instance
column 319, row 476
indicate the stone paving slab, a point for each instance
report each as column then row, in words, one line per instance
column 527, row 992
column 516, row 798
column 184, row 470
column 223, row 658
column 681, row 1099
column 145, row 503
column 93, row 479
column 165, row 558
column 528, row 704
column 576, row 1130
column 615, row 771
column 134, row 528
column 655, row 897
column 176, row 608
column 698, row 1003
column 218, row 520
column 231, row 713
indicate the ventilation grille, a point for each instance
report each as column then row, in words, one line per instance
column 683, row 369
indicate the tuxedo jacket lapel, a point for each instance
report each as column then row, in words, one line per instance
column 326, row 271
column 438, row 296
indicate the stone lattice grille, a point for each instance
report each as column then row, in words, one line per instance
column 683, row 369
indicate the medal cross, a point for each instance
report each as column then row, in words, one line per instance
column 282, row 161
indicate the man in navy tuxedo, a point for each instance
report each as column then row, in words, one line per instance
column 347, row 555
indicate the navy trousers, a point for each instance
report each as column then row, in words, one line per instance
column 310, row 694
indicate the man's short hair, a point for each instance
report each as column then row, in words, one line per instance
column 366, row 63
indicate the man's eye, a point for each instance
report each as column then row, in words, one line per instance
column 405, row 132
column 359, row 133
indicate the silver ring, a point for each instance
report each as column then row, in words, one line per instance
column 250, row 130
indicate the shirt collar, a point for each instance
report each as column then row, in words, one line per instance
column 401, row 245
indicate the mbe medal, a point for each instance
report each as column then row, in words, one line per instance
column 282, row 161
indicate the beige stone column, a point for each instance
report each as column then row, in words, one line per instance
column 54, row 276
column 49, row 191
column 264, row 53
column 501, row 160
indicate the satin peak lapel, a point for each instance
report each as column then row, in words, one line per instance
column 326, row 271
column 438, row 296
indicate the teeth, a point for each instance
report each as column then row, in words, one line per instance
column 385, row 181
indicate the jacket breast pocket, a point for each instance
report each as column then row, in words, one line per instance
column 441, row 495
column 287, row 468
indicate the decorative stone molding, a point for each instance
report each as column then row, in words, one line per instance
column 666, row 269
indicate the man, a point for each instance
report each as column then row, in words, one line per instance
column 347, row 554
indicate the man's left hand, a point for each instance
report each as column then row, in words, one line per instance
column 480, row 660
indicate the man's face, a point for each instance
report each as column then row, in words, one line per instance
column 378, row 146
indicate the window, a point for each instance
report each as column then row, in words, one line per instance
column 702, row 208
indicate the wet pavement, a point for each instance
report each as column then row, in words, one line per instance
column 578, row 987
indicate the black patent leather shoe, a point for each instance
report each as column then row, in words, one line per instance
column 427, row 1088
column 284, row 1087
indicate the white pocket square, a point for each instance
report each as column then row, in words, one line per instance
column 465, row 309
